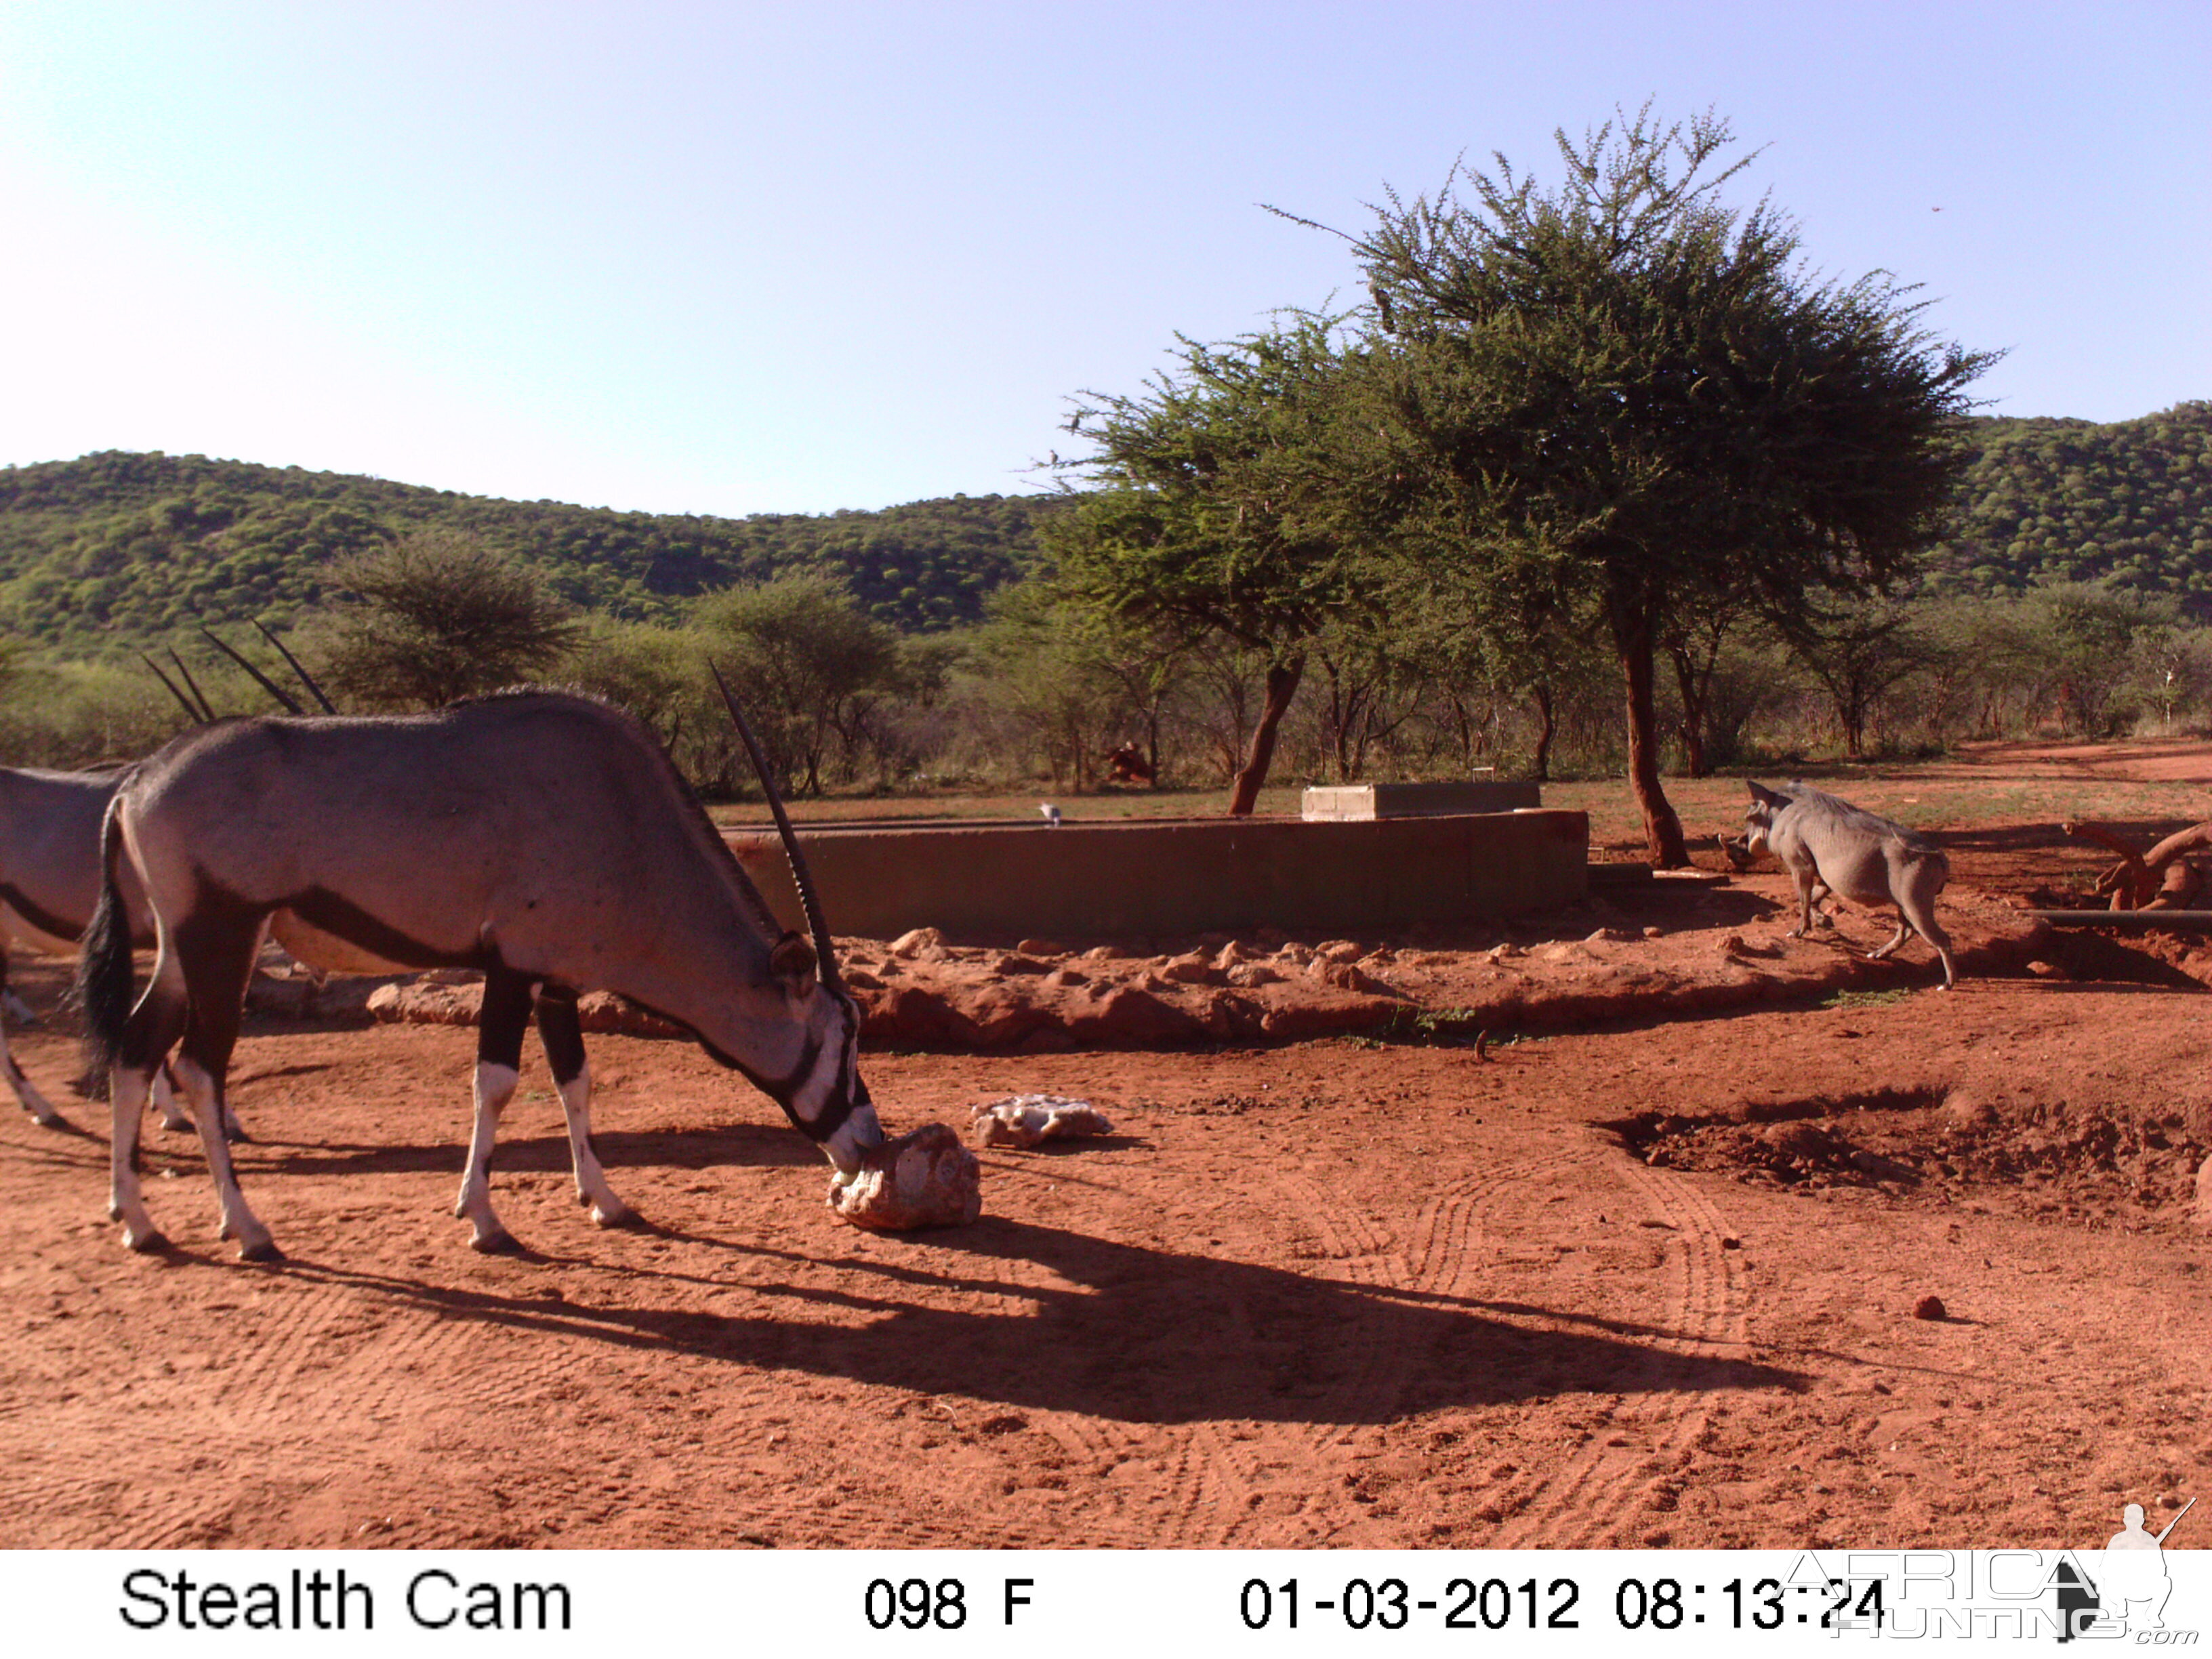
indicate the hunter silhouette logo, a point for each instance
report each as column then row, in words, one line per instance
column 2126, row 1586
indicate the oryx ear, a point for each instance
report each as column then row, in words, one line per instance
column 792, row 961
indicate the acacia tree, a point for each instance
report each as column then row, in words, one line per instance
column 1209, row 517
column 1635, row 395
column 439, row 614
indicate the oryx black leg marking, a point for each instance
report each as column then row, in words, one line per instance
column 216, row 943
column 562, row 1034
column 498, row 1058
column 155, row 1024
column 40, row 1108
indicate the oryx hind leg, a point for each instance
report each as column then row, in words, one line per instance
column 164, row 1102
column 217, row 946
column 205, row 1089
column 155, row 1025
column 562, row 1034
column 500, row 1028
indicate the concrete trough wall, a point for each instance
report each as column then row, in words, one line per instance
column 1182, row 876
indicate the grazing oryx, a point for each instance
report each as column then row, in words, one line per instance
column 49, row 886
column 541, row 837
column 1822, row 840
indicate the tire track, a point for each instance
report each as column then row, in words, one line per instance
column 1439, row 1251
column 1593, row 1502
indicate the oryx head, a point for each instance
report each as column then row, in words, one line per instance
column 823, row 1094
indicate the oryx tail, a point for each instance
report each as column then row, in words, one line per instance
column 104, row 976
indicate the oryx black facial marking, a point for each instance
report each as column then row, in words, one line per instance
column 542, row 837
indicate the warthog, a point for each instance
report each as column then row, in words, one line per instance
column 1825, row 841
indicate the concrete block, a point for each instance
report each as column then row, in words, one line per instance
column 1362, row 802
column 1189, row 876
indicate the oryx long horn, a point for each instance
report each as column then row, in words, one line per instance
column 825, row 956
column 305, row 678
column 290, row 702
column 207, row 709
column 193, row 714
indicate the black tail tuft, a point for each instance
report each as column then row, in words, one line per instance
column 104, row 983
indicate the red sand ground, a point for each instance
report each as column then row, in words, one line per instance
column 1644, row 1280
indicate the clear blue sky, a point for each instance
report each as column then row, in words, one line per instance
column 735, row 259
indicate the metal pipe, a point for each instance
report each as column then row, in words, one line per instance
column 2134, row 921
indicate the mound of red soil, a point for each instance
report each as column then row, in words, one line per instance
column 1669, row 950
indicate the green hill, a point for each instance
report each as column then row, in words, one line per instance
column 118, row 548
column 2070, row 501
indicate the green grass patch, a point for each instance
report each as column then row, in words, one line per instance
column 1864, row 999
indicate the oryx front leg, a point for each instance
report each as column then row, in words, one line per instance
column 11, row 1007
column 498, row 1058
column 40, row 1108
column 559, row 1029
column 239, row 1221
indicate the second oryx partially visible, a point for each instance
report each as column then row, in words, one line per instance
column 49, row 887
column 541, row 837
column 1822, row 839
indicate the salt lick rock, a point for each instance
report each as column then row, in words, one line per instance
column 925, row 1179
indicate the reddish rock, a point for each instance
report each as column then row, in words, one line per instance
column 1192, row 970
column 1130, row 1015
column 914, row 1015
column 603, row 1011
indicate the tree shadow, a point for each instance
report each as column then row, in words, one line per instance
column 1127, row 1333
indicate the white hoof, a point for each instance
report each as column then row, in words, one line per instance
column 613, row 1213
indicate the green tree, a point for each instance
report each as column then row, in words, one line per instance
column 1208, row 519
column 436, row 616
column 1044, row 671
column 2093, row 639
column 1860, row 648
column 807, row 660
column 1636, row 395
